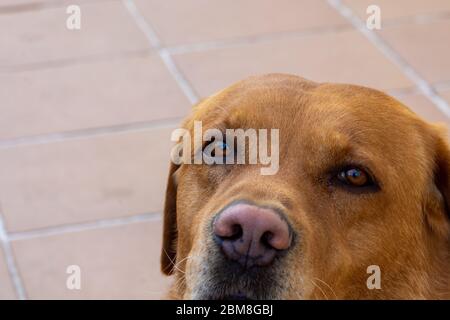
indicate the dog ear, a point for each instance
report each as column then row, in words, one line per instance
column 170, row 231
column 438, row 204
column 169, row 242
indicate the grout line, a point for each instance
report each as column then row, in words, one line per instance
column 142, row 24
column 417, row 19
column 423, row 86
column 26, row 7
column 87, row 133
column 255, row 39
column 38, row 6
column 74, row 61
column 210, row 45
column 442, row 86
column 163, row 52
column 10, row 261
column 85, row 226
column 172, row 50
column 207, row 45
column 179, row 77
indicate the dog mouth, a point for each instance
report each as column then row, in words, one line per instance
column 239, row 296
column 237, row 292
column 243, row 290
column 222, row 279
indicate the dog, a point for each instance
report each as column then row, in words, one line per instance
column 359, row 208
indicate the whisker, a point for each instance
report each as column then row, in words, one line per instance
column 334, row 293
column 173, row 262
column 318, row 287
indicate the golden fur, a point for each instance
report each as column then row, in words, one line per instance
column 404, row 227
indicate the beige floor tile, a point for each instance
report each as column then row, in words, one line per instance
column 40, row 36
column 342, row 57
column 424, row 108
column 6, row 288
column 20, row 5
column 115, row 263
column 424, row 46
column 83, row 180
column 190, row 21
column 399, row 8
column 88, row 95
column 13, row 3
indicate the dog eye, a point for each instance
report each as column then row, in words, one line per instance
column 216, row 149
column 355, row 177
column 221, row 149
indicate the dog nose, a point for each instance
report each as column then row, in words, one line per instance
column 251, row 235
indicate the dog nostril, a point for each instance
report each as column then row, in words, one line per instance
column 236, row 232
column 231, row 232
column 265, row 239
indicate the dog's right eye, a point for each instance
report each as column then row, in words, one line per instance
column 216, row 152
column 216, row 149
column 221, row 149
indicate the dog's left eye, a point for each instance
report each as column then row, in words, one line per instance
column 355, row 177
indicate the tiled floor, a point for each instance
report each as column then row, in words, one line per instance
column 86, row 115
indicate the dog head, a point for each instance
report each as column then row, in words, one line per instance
column 362, row 185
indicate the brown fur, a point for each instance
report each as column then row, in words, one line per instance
column 404, row 227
